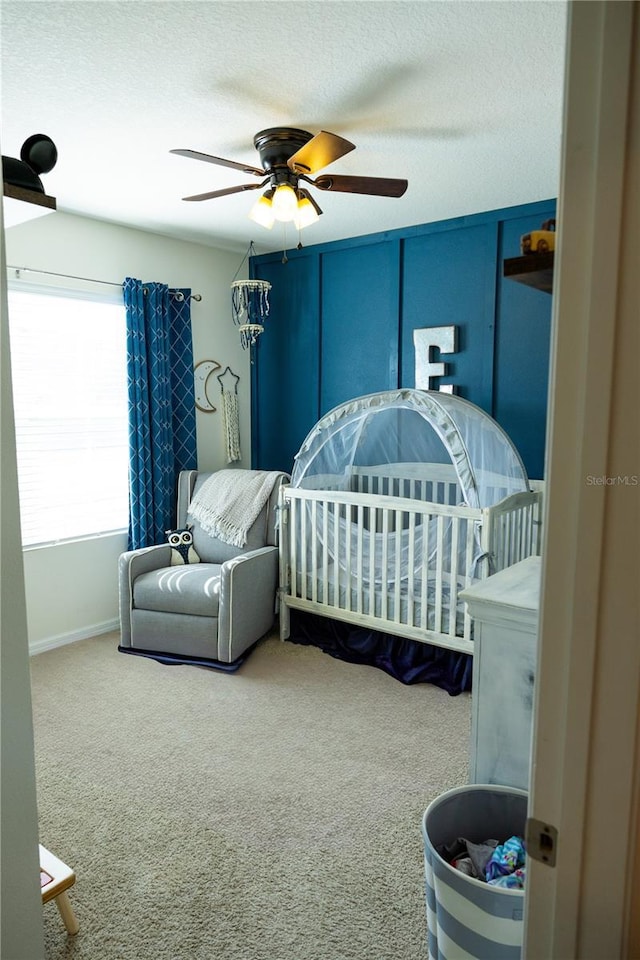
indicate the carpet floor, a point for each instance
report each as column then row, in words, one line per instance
column 271, row 814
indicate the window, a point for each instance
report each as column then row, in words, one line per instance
column 68, row 359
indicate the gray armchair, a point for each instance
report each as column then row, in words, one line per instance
column 208, row 611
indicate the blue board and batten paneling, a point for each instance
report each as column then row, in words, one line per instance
column 343, row 316
column 522, row 349
column 449, row 278
column 360, row 293
column 286, row 368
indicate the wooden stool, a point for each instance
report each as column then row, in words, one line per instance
column 55, row 879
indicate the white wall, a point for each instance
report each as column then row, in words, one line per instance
column 71, row 588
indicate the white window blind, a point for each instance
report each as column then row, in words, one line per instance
column 68, row 360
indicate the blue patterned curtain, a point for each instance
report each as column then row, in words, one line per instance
column 162, row 416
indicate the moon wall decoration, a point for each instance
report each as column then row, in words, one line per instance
column 201, row 373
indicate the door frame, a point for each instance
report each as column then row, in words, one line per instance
column 584, row 770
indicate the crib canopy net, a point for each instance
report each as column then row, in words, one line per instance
column 412, row 427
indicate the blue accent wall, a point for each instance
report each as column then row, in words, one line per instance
column 286, row 368
column 522, row 351
column 359, row 340
column 449, row 278
column 343, row 316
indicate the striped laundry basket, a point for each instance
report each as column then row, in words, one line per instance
column 467, row 918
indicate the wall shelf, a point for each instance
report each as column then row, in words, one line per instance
column 534, row 270
column 29, row 196
column 21, row 204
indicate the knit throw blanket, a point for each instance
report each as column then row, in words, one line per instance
column 229, row 502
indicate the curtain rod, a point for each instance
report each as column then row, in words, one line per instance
column 70, row 276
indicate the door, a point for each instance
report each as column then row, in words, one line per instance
column 585, row 769
column 20, row 899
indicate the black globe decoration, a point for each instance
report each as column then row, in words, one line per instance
column 39, row 152
column 38, row 155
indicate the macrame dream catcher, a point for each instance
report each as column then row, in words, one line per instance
column 250, row 308
column 230, row 414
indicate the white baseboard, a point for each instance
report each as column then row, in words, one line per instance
column 50, row 643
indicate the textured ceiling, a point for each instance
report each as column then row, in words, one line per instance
column 463, row 99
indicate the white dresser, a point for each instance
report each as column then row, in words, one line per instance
column 505, row 610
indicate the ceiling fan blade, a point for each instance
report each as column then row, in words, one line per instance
column 372, row 186
column 228, row 190
column 196, row 155
column 318, row 152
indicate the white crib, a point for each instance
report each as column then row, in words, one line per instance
column 390, row 548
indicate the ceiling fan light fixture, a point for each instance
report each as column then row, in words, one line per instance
column 285, row 203
column 262, row 211
column 308, row 212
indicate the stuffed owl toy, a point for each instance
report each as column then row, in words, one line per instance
column 182, row 549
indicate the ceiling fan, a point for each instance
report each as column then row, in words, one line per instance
column 288, row 156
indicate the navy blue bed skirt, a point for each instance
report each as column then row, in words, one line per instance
column 409, row 661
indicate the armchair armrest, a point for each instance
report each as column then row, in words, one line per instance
column 247, row 600
column 131, row 564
